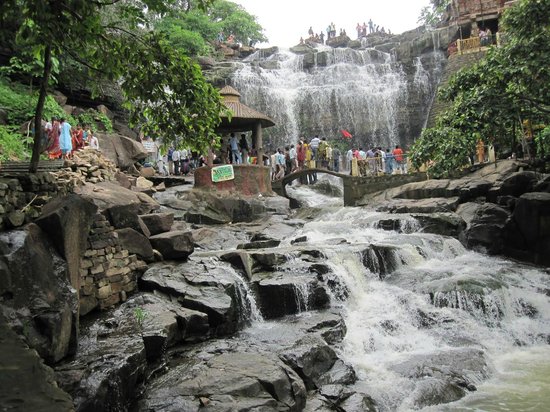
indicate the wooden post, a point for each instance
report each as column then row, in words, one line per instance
column 259, row 143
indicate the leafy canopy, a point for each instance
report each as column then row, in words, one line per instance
column 111, row 37
column 492, row 99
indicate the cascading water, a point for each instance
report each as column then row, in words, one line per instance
column 364, row 91
column 441, row 320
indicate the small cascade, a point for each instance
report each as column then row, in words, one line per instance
column 246, row 302
column 302, row 294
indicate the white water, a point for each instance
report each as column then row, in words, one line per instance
column 470, row 302
column 358, row 90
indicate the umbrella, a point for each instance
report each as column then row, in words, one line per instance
column 346, row 134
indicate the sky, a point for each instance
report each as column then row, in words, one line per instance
column 285, row 21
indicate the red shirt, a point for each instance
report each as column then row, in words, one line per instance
column 398, row 154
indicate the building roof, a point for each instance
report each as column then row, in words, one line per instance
column 243, row 117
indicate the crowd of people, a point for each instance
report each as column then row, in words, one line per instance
column 331, row 32
column 62, row 139
column 319, row 153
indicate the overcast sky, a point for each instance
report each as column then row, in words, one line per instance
column 285, row 21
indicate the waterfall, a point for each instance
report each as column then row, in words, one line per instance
column 246, row 302
column 362, row 91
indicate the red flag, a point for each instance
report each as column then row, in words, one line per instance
column 346, row 134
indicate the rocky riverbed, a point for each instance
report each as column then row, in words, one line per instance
column 396, row 305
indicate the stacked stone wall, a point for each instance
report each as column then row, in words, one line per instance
column 480, row 6
column 22, row 196
column 108, row 272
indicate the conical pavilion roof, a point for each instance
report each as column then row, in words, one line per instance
column 243, row 117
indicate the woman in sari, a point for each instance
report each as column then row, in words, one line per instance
column 53, row 149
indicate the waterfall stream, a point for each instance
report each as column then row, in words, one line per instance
column 419, row 304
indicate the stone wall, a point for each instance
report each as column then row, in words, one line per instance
column 22, row 195
column 456, row 62
column 107, row 271
column 357, row 188
column 249, row 180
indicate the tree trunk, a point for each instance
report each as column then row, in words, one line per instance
column 39, row 109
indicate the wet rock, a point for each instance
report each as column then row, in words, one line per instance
column 299, row 239
column 26, row 384
column 229, row 381
column 382, row 259
column 279, row 295
column 529, row 231
column 445, row 224
column 177, row 245
column 516, row 184
column 218, row 239
column 431, row 205
column 158, row 222
column 205, row 287
column 260, row 244
column 37, row 298
column 241, row 261
column 267, row 260
column 485, row 226
column 444, row 376
column 310, row 358
column 135, row 243
column 164, row 324
column 110, row 363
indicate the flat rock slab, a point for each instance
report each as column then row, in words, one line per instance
column 231, row 381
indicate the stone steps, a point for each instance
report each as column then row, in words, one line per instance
column 23, row 167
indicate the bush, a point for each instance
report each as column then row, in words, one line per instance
column 13, row 145
column 92, row 117
column 20, row 104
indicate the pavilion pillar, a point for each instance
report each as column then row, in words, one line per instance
column 257, row 134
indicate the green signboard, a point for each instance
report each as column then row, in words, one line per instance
column 222, row 173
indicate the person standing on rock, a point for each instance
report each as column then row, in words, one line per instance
column 399, row 159
column 322, row 38
column 336, row 159
column 371, row 26
column 54, row 152
column 170, row 161
column 314, row 145
column 65, row 139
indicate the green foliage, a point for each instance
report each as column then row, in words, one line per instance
column 140, row 315
column 20, row 103
column 432, row 14
column 542, row 141
column 491, row 99
column 13, row 145
column 171, row 99
column 232, row 18
column 111, row 38
column 91, row 117
column 194, row 31
column 444, row 150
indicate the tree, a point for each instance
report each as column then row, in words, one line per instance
column 170, row 97
column 492, row 99
column 80, row 29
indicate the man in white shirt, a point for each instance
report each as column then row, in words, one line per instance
column 176, row 160
column 314, row 144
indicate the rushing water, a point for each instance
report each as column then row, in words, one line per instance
column 364, row 91
column 427, row 305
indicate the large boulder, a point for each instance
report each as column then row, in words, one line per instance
column 177, row 245
column 164, row 324
column 135, row 243
column 485, row 226
column 158, row 222
column 106, row 195
column 530, row 227
column 310, row 358
column 236, row 381
column 37, row 298
column 110, row 363
column 126, row 216
column 122, row 150
column 26, row 384
column 207, row 287
column 67, row 221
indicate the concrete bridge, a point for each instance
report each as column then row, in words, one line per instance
column 355, row 187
